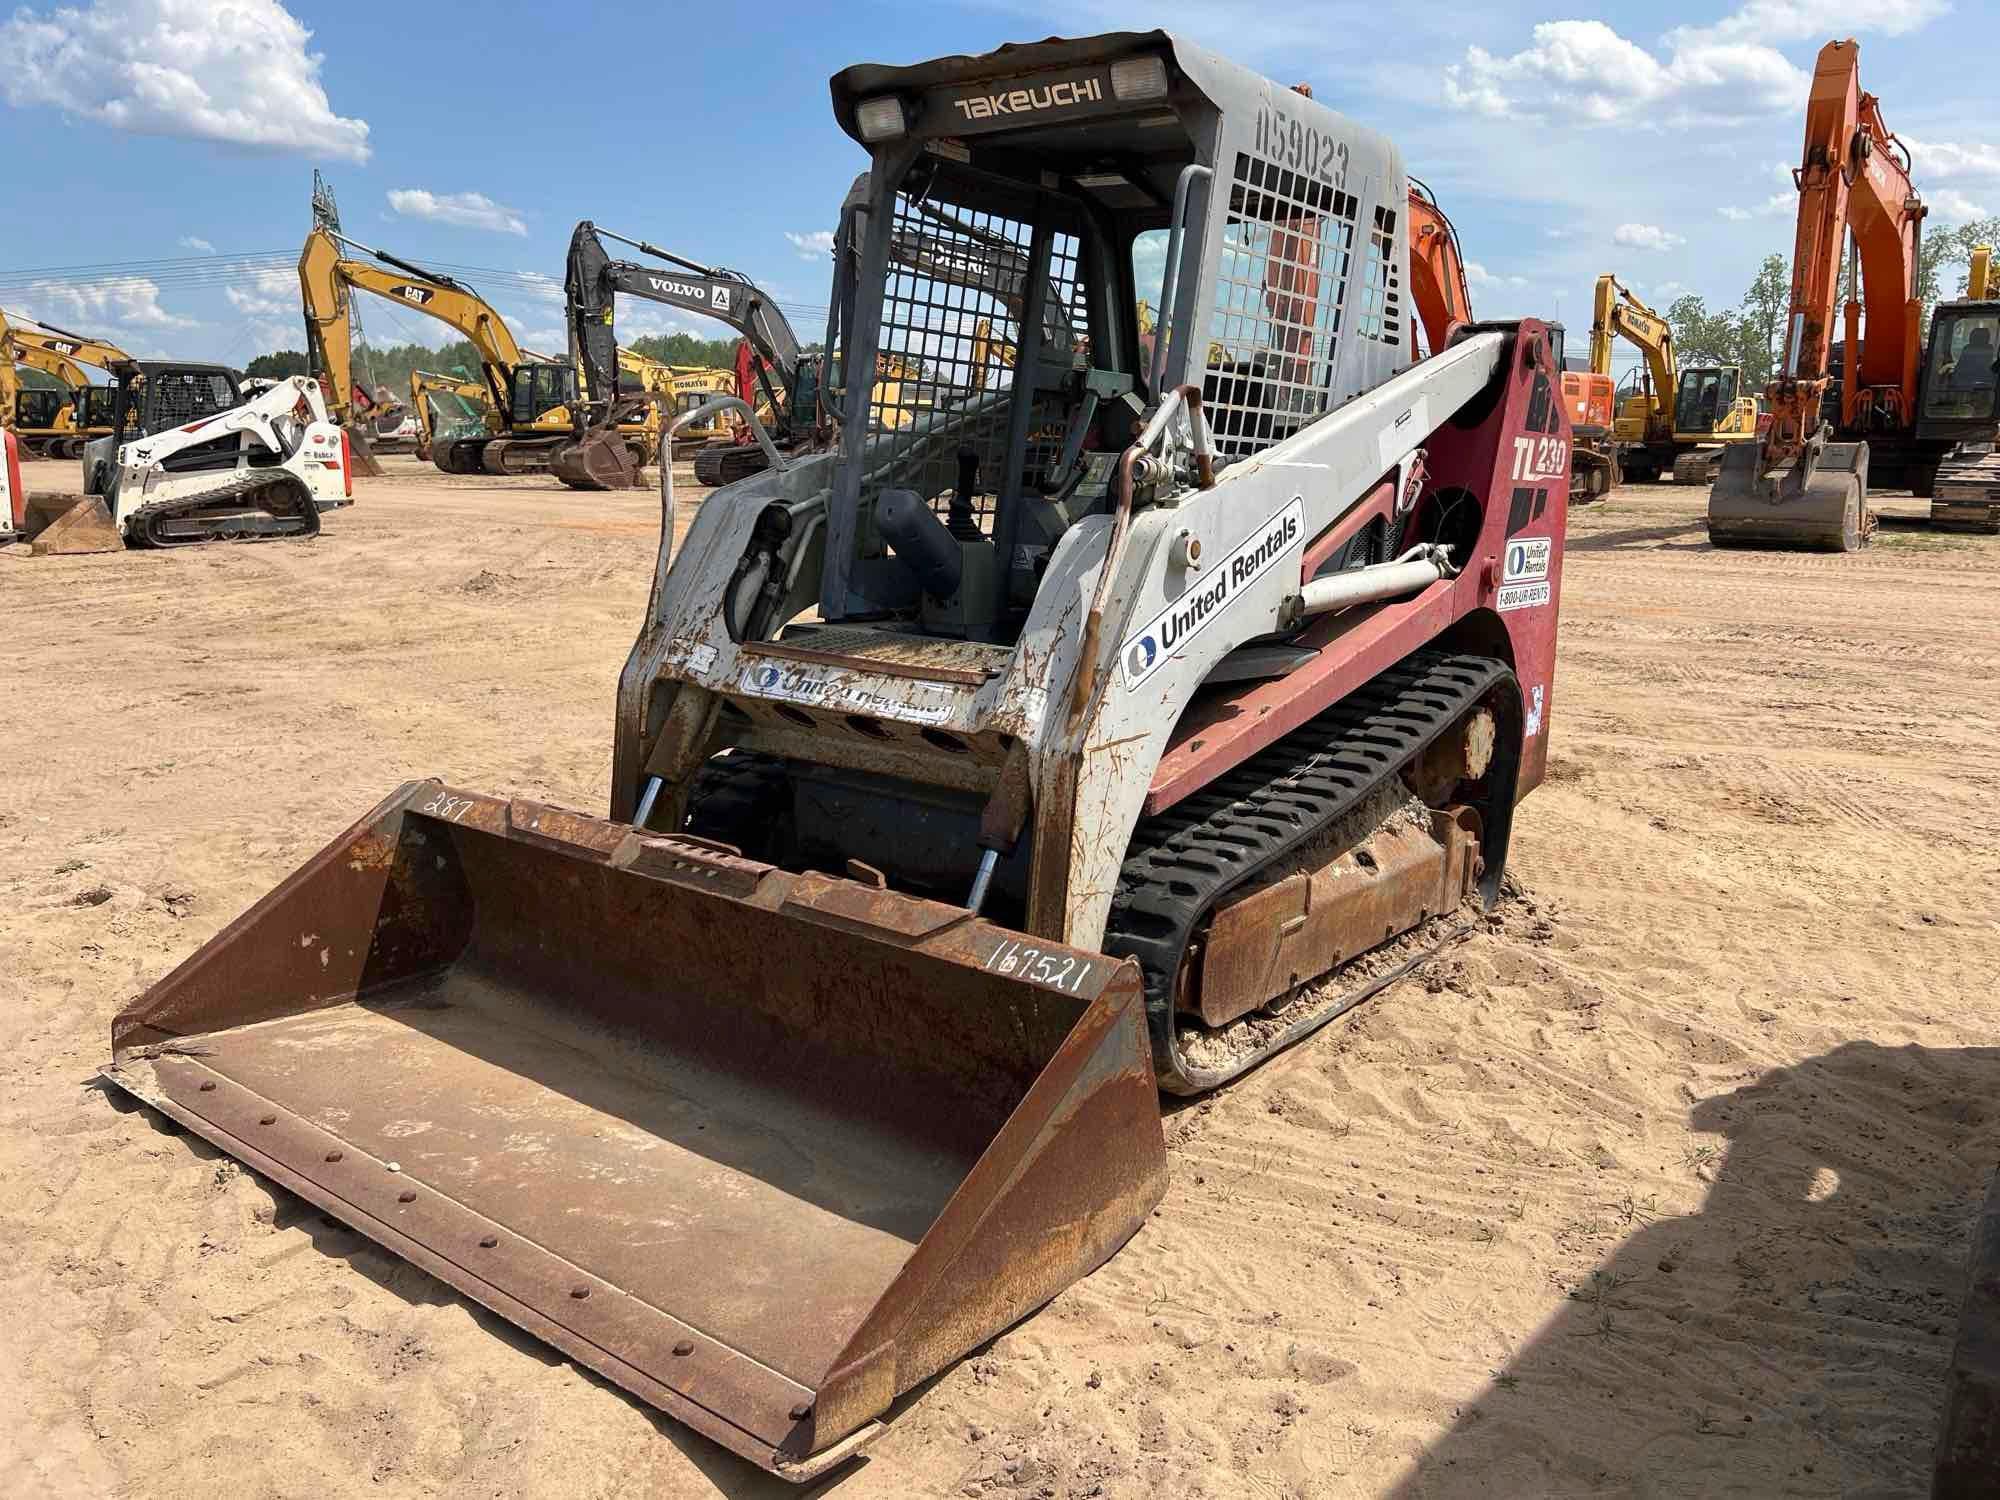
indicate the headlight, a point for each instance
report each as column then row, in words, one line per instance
column 880, row 119
column 1137, row 79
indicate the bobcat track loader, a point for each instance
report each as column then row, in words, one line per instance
column 1036, row 749
column 201, row 462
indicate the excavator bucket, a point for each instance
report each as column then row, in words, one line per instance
column 599, row 460
column 1827, row 513
column 61, row 525
column 765, row 1149
column 361, row 452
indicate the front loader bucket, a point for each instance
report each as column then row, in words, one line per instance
column 361, row 452
column 764, row 1149
column 1829, row 513
column 599, row 460
column 65, row 525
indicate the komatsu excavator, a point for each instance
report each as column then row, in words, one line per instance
column 770, row 368
column 529, row 417
column 194, row 459
column 1676, row 420
column 1904, row 419
column 974, row 779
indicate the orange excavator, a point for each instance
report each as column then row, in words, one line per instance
column 1444, row 304
column 1806, row 483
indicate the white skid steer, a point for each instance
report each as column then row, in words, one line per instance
column 200, row 461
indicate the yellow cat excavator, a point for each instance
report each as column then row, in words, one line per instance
column 529, row 416
column 51, row 422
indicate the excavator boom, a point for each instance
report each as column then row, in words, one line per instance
column 593, row 282
column 531, row 401
column 1805, row 482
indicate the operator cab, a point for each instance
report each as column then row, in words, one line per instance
column 96, row 406
column 537, row 389
column 1705, row 398
column 1962, row 372
column 1025, row 214
column 35, row 409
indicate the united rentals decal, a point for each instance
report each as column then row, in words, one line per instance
column 1146, row 651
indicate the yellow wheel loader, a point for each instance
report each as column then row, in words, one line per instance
column 1024, row 753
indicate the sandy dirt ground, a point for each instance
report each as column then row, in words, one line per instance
column 1659, row 1186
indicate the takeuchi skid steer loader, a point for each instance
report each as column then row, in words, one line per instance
column 1059, row 737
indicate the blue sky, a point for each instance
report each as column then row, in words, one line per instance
column 146, row 138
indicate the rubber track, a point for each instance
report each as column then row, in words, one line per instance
column 724, row 463
column 242, row 485
column 1182, row 862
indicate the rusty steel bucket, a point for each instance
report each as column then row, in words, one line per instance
column 1826, row 510
column 765, row 1149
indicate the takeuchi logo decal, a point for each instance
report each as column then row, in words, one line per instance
column 1031, row 100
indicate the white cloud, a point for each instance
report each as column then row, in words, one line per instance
column 1786, row 202
column 542, row 288
column 1944, row 160
column 1478, row 275
column 234, row 71
column 816, row 244
column 1953, row 204
column 460, row 210
column 197, row 243
column 129, row 301
column 1714, row 74
column 1646, row 237
column 270, row 294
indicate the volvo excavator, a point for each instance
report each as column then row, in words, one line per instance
column 1898, row 416
column 1675, row 421
column 975, row 779
column 529, row 417
column 771, row 372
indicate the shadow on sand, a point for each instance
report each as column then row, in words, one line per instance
column 1791, row 1338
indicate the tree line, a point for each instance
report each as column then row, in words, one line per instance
column 1752, row 334
column 391, row 364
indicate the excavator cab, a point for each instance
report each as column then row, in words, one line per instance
column 1962, row 371
column 537, row 390
column 1706, row 397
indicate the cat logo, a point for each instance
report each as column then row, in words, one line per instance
column 416, row 294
